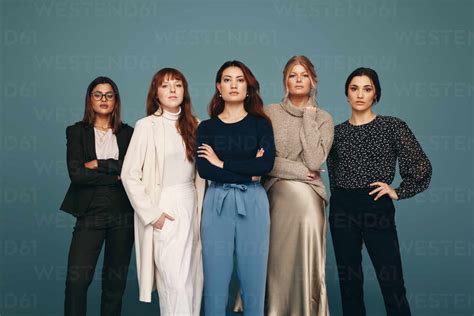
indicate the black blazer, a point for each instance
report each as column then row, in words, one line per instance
column 81, row 149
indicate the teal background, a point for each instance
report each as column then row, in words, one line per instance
column 50, row 50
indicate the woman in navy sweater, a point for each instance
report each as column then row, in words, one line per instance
column 234, row 148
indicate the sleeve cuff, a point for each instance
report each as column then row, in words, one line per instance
column 399, row 194
column 309, row 115
column 103, row 166
column 100, row 164
column 156, row 219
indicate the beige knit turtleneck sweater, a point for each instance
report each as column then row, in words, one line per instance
column 303, row 139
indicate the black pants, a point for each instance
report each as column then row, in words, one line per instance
column 356, row 219
column 109, row 219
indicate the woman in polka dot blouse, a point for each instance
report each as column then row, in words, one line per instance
column 361, row 167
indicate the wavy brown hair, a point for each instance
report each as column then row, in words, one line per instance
column 89, row 114
column 308, row 65
column 253, row 103
column 187, row 122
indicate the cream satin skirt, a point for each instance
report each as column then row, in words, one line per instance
column 296, row 283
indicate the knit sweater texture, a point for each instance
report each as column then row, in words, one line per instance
column 303, row 140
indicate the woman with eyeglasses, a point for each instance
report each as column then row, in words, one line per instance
column 362, row 165
column 233, row 148
column 166, row 193
column 96, row 147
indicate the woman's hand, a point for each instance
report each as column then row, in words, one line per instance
column 206, row 151
column 161, row 221
column 310, row 112
column 382, row 189
column 312, row 175
column 93, row 164
column 260, row 153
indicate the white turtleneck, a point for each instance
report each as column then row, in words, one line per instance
column 177, row 168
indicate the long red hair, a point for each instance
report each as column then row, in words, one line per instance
column 253, row 104
column 187, row 122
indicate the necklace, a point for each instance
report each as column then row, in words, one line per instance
column 102, row 128
column 101, row 134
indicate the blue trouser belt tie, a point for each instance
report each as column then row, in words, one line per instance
column 239, row 201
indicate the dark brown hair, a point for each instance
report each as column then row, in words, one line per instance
column 89, row 114
column 253, row 103
column 372, row 74
column 187, row 122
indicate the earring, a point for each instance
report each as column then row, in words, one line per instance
column 220, row 95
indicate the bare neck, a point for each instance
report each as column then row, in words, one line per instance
column 233, row 112
column 361, row 118
column 102, row 120
column 233, row 109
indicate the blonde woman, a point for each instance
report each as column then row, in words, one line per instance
column 166, row 193
column 303, row 138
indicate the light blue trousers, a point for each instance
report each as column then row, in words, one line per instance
column 235, row 220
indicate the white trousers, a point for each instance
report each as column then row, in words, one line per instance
column 178, row 263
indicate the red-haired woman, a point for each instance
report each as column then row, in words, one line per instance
column 96, row 147
column 233, row 148
column 160, row 179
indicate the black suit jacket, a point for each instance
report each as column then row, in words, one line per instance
column 81, row 149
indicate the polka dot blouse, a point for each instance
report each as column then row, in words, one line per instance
column 368, row 153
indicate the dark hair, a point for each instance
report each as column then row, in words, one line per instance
column 253, row 103
column 372, row 74
column 89, row 114
column 187, row 122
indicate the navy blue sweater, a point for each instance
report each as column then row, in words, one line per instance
column 236, row 144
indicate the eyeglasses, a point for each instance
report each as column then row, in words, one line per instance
column 99, row 95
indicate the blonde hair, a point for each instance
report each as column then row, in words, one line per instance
column 308, row 65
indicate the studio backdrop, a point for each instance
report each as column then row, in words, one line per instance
column 51, row 50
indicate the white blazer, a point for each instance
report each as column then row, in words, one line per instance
column 142, row 174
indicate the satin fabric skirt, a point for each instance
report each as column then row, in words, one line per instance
column 178, row 266
column 296, row 284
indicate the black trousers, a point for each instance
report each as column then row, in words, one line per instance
column 108, row 220
column 356, row 219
